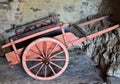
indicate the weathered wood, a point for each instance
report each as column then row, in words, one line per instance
column 31, row 32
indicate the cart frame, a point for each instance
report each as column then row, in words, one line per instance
column 64, row 40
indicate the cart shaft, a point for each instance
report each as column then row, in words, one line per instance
column 80, row 40
column 92, row 21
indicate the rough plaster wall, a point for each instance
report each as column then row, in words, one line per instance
column 70, row 11
column 29, row 10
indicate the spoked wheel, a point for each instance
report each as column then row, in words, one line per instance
column 45, row 59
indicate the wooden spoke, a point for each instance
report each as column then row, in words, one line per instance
column 46, row 48
column 35, row 65
column 33, row 59
column 57, row 59
column 36, row 53
column 52, row 69
column 52, row 50
column 39, row 69
column 56, row 54
column 40, row 50
column 45, row 74
column 56, row 65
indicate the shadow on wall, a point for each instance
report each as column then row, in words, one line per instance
column 111, row 7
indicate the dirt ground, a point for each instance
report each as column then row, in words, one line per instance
column 81, row 70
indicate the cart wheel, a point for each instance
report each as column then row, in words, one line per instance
column 45, row 59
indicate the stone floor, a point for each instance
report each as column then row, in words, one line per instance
column 81, row 70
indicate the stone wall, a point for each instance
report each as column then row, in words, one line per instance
column 104, row 50
column 110, row 42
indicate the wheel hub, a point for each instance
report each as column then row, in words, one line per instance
column 46, row 61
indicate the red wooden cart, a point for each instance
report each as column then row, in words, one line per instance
column 47, row 57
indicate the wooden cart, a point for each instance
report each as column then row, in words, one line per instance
column 47, row 57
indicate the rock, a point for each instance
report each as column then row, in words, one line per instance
column 113, row 80
column 114, row 71
column 105, row 46
column 111, row 70
column 90, row 49
column 113, row 41
column 118, row 31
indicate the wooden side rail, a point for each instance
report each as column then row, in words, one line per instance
column 35, row 35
